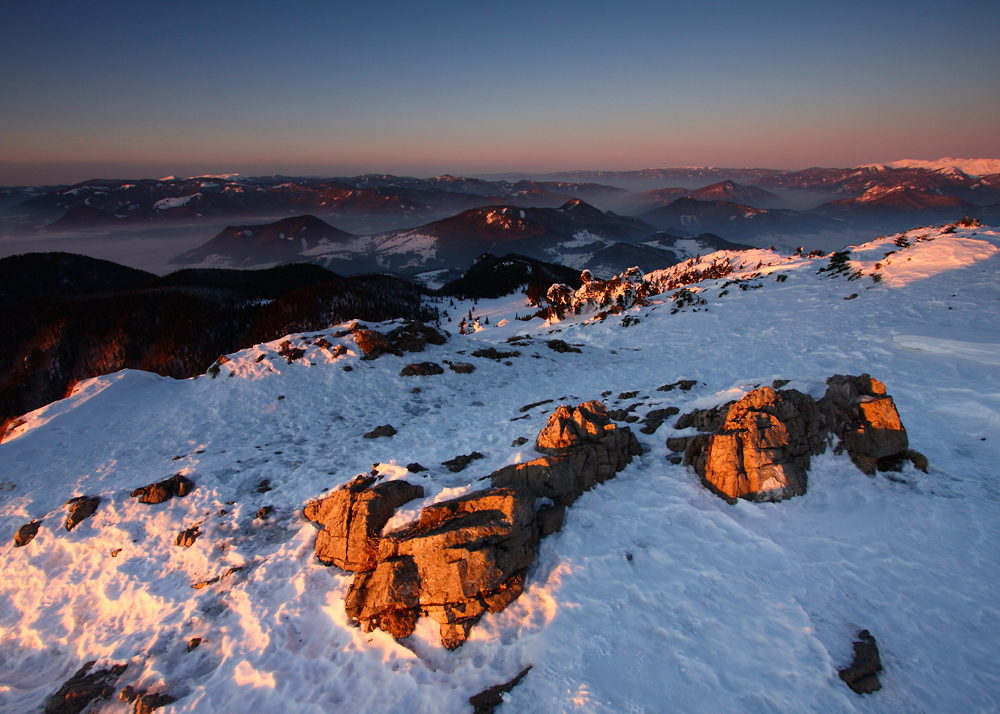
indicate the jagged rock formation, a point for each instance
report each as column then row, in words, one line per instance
column 468, row 555
column 759, row 447
column 611, row 296
column 177, row 485
column 26, row 533
column 461, row 558
column 494, row 353
column 81, row 508
column 760, row 451
column 584, row 448
column 862, row 675
column 352, row 518
column 83, row 688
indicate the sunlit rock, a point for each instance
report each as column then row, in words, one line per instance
column 352, row 517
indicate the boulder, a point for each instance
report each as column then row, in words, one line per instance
column 864, row 418
column 380, row 431
column 26, row 533
column 528, row 407
column 761, row 450
column 80, row 508
column 412, row 337
column 862, row 675
column 459, row 463
column 146, row 703
column 462, row 558
column 177, row 485
column 374, row 344
column 494, row 353
column 759, row 447
column 421, row 369
column 187, row 537
column 488, row 700
column 462, row 367
column 684, row 385
column 352, row 518
column 655, row 418
column 470, row 555
column 583, row 448
column 561, row 346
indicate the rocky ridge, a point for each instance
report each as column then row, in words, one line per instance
column 469, row 555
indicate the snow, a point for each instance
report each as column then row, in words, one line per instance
column 742, row 608
column 970, row 167
column 174, row 202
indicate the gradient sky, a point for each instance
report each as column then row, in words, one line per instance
column 112, row 89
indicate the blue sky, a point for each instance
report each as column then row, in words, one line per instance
column 132, row 89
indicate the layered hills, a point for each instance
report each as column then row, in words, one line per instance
column 411, row 226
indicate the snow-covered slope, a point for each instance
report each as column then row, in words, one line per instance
column 655, row 596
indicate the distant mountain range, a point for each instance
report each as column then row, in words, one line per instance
column 411, row 226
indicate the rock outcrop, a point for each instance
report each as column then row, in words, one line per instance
column 488, row 700
column 81, row 508
column 864, row 418
column 352, row 517
column 655, row 418
column 584, row 448
column 374, row 344
column 412, row 337
column 421, row 369
column 83, row 688
column 144, row 702
column 469, row 555
column 177, row 485
column 26, row 533
column 759, row 447
column 862, row 675
column 187, row 537
column 462, row 558
column 380, row 431
column 460, row 462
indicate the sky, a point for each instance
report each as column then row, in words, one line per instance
column 136, row 90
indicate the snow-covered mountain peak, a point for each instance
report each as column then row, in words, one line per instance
column 969, row 167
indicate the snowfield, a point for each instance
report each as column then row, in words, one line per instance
column 655, row 596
